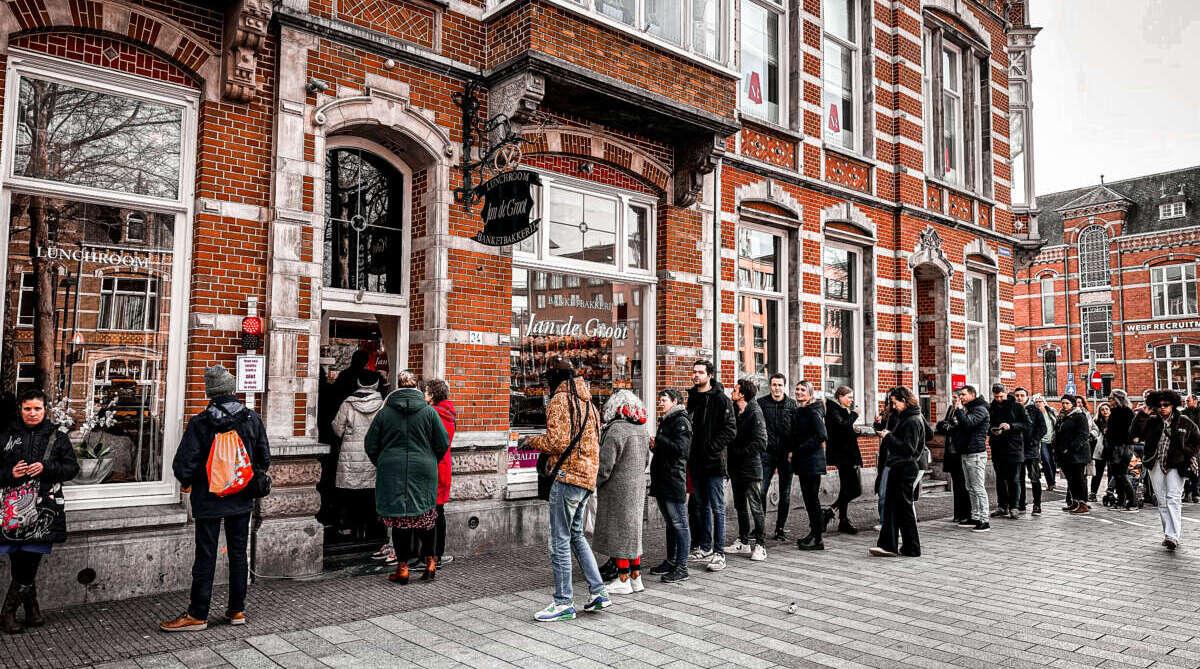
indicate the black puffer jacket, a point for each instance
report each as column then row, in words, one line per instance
column 808, row 441
column 668, row 465
column 907, row 440
column 29, row 444
column 1072, row 439
column 1037, row 431
column 222, row 414
column 778, row 416
column 842, row 448
column 745, row 453
column 1008, row 446
column 1183, row 443
column 968, row 427
column 1116, row 434
column 713, row 428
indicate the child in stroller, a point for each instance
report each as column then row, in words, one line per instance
column 1129, row 478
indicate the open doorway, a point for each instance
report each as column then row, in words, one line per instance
column 932, row 341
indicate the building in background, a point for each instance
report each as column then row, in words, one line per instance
column 1114, row 288
column 838, row 171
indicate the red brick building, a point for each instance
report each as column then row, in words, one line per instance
column 835, row 172
column 1115, row 284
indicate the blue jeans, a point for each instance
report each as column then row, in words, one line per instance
column 710, row 494
column 973, row 464
column 679, row 537
column 567, row 504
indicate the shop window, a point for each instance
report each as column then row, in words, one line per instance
column 364, row 226
column 761, row 301
column 1047, row 285
column 1050, row 373
column 762, row 49
column 977, row 331
column 1096, row 322
column 1172, row 210
column 128, row 303
column 1173, row 290
column 841, row 66
column 1177, row 367
column 1093, row 258
column 842, row 342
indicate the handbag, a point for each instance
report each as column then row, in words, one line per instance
column 21, row 519
column 546, row 474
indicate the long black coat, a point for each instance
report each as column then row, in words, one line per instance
column 29, row 444
column 191, row 460
column 1072, row 439
column 842, row 447
column 747, row 448
column 808, row 441
column 908, row 438
column 668, row 465
column 1183, row 442
column 713, row 429
column 1116, row 434
column 1009, row 446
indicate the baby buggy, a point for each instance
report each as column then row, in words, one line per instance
column 1139, row 480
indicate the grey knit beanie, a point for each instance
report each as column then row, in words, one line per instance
column 218, row 381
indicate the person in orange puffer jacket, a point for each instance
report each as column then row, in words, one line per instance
column 437, row 393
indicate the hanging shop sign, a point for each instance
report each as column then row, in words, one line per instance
column 507, row 207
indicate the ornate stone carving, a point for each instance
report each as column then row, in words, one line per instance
column 246, row 24
column 466, row 463
column 473, row 487
column 694, row 159
column 295, row 472
column 929, row 250
column 517, row 97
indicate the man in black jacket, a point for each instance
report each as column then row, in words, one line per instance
column 745, row 471
column 1009, row 428
column 1171, row 441
column 713, row 429
column 223, row 414
column 1031, row 469
column 967, row 425
column 808, row 461
column 778, row 410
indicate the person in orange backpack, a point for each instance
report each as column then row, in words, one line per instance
column 221, row 425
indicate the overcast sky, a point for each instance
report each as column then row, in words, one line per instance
column 1115, row 89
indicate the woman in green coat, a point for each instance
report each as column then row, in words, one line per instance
column 405, row 442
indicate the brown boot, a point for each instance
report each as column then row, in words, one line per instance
column 8, row 614
column 401, row 574
column 33, row 612
column 430, row 568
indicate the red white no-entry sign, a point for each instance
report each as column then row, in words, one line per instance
column 1095, row 381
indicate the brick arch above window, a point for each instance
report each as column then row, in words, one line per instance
column 847, row 217
column 1171, row 259
column 598, row 147
column 961, row 16
column 771, row 193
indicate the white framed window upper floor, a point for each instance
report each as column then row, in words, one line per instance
column 956, row 84
column 1173, row 290
column 1172, row 210
column 763, row 53
column 96, row 204
column 842, row 78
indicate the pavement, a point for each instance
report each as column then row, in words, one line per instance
column 1054, row 591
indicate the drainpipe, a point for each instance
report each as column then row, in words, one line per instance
column 1067, row 303
column 1121, row 292
column 716, row 264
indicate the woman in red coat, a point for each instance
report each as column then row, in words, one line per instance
column 437, row 393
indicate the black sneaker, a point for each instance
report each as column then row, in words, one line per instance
column 1170, row 544
column 782, row 535
column 1037, row 510
column 677, row 576
column 982, row 526
column 1092, row 497
column 967, row 522
column 845, row 527
column 810, row 543
column 662, row 569
column 1000, row 512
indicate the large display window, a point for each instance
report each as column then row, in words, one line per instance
column 95, row 230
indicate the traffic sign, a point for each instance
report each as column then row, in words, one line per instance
column 1070, row 389
column 1094, row 379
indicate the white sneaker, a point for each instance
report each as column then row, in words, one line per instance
column 738, row 548
column 619, row 587
column 699, row 554
column 636, row 583
column 717, row 563
column 759, row 553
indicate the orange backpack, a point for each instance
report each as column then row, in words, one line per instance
column 229, row 468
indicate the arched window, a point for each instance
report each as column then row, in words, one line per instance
column 1093, row 258
column 364, row 199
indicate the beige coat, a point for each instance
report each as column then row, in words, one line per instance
column 354, row 469
column 579, row 469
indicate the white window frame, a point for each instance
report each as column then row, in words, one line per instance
column 1172, row 210
column 23, row 293
column 1084, row 320
column 150, row 297
column 1047, row 302
column 1187, row 281
column 856, row 307
column 981, row 367
column 958, row 177
column 1163, row 359
column 929, row 129
column 1050, row 372
column 1090, row 253
column 779, row 14
column 856, row 85
column 23, row 64
column 777, row 350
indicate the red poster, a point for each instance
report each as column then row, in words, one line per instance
column 835, row 125
column 957, row 381
column 755, row 92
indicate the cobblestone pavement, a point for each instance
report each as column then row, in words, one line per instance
column 1053, row 591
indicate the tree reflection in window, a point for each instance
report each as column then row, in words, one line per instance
column 364, row 199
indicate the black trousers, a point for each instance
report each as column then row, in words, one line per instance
column 237, row 536
column 439, row 531
column 952, row 462
column 1031, row 471
column 1076, row 482
column 1119, row 479
column 899, row 522
column 778, row 463
column 1008, row 478
column 810, row 492
column 850, row 488
column 24, row 567
column 1099, row 475
column 748, row 500
column 413, row 543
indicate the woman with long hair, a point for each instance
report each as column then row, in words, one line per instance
column 904, row 446
column 1103, row 415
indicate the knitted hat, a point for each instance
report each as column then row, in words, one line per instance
column 218, row 381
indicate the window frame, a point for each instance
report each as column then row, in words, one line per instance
column 778, row 13
column 855, row 45
column 958, row 178
column 982, row 366
column 1091, row 278
column 777, row 351
column 857, row 307
column 1163, row 363
column 1172, row 210
column 21, row 64
column 1086, row 344
column 1160, row 307
column 1050, row 372
column 1047, row 299
column 150, row 296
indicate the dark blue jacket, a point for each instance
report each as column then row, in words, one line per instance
column 968, row 427
column 191, row 460
column 808, row 440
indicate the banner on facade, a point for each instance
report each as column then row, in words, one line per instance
column 507, row 207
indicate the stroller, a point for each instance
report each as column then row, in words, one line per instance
column 1139, row 478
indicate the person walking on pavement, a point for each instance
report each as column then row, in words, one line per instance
column 842, row 452
column 1119, row 450
column 1031, row 468
column 1103, row 413
column 223, row 415
column 1050, row 418
column 967, row 426
column 714, row 426
column 745, row 471
column 1073, row 450
column 621, row 489
column 905, row 447
column 437, row 394
column 1191, row 484
column 951, row 462
column 808, row 462
column 572, row 443
column 1009, row 427
column 668, row 483
column 355, row 477
column 778, row 411
column 1172, row 442
column 405, row 442
column 35, row 460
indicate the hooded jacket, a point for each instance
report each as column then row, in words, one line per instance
column 1008, row 446
column 748, row 447
column 906, row 441
column 968, row 427
column 58, row 466
column 354, row 469
column 405, row 442
column 1072, row 443
column 1183, row 442
column 842, row 448
column 668, row 466
column 449, row 416
column 808, row 440
column 562, row 423
column 223, row 413
column 1116, row 434
column 714, row 427
column 778, row 416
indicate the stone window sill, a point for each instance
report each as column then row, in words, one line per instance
column 99, row 520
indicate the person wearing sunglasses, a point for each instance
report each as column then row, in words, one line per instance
column 1171, row 441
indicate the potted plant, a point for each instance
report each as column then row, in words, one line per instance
column 95, row 463
column 95, row 458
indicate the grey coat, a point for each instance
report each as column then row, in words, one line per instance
column 621, row 489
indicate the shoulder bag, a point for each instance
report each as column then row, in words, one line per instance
column 546, row 474
column 21, row 517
